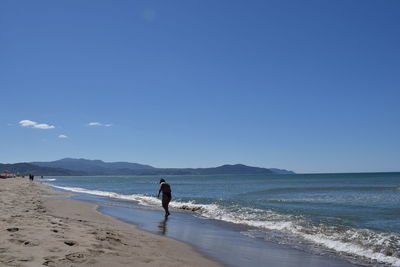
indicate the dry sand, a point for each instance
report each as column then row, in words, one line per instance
column 37, row 230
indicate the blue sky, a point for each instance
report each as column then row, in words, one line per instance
column 311, row 86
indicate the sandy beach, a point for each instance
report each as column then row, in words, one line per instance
column 38, row 229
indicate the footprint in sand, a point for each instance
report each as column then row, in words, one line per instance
column 50, row 261
column 70, row 243
column 25, row 258
column 26, row 243
column 95, row 252
column 55, row 249
column 31, row 243
column 15, row 261
column 76, row 257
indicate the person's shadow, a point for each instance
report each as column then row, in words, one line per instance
column 162, row 226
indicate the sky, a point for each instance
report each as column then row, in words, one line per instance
column 309, row 86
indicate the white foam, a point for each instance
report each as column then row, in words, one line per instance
column 49, row 179
column 352, row 248
column 142, row 199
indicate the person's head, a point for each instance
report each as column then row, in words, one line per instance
column 162, row 181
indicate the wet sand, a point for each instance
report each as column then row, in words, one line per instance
column 38, row 229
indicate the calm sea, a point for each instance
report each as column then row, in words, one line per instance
column 355, row 216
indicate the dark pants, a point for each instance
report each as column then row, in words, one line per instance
column 165, row 201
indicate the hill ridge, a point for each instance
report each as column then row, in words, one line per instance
column 81, row 166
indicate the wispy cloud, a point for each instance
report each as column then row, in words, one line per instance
column 34, row 124
column 62, row 136
column 95, row 123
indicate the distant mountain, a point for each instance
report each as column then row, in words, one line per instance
column 281, row 171
column 78, row 167
column 26, row 168
column 224, row 169
column 92, row 167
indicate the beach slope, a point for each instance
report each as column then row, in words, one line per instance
column 38, row 229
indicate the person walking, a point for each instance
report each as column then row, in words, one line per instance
column 165, row 188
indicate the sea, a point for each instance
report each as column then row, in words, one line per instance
column 353, row 216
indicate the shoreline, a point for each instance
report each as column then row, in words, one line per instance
column 218, row 240
column 39, row 229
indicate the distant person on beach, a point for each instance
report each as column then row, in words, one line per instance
column 165, row 188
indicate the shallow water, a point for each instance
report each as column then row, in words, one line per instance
column 353, row 216
column 216, row 239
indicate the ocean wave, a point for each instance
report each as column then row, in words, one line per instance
column 48, row 180
column 370, row 246
column 141, row 199
column 322, row 189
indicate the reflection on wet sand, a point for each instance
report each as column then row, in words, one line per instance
column 162, row 226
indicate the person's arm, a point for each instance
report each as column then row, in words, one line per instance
column 159, row 191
